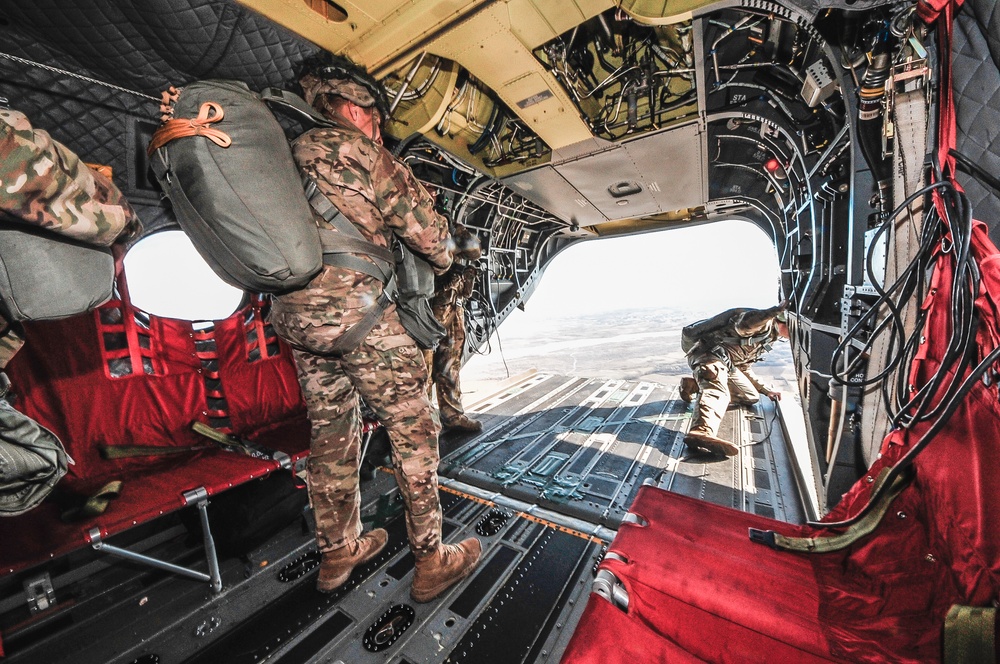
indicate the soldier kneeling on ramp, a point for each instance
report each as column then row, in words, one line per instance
column 720, row 351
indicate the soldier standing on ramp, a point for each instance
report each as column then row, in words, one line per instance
column 720, row 351
column 381, row 197
column 445, row 361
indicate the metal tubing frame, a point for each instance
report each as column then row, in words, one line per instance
column 199, row 498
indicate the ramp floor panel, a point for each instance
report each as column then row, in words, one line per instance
column 583, row 447
column 270, row 611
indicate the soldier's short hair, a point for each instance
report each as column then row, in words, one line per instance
column 336, row 75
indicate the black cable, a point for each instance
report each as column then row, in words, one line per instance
column 884, row 299
column 940, row 394
column 972, row 168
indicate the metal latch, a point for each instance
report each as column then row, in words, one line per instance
column 905, row 77
column 40, row 594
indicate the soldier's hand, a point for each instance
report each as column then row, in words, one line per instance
column 467, row 245
column 773, row 395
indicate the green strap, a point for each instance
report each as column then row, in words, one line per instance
column 111, row 452
column 355, row 263
column 353, row 337
column 970, row 635
column 341, row 248
column 862, row 528
column 96, row 504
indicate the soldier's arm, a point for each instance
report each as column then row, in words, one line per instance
column 760, row 385
column 45, row 184
column 408, row 210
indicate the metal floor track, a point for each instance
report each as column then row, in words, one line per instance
column 583, row 447
column 520, row 604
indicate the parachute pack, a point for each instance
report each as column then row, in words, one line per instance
column 264, row 238
column 223, row 161
column 695, row 332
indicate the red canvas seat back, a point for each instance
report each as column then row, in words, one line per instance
column 697, row 584
column 118, row 377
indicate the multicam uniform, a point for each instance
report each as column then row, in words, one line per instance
column 445, row 362
column 380, row 196
column 721, row 362
column 44, row 184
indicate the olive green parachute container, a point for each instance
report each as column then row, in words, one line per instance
column 235, row 189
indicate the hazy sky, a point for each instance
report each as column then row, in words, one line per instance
column 167, row 277
column 710, row 267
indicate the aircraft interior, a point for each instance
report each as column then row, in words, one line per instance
column 859, row 135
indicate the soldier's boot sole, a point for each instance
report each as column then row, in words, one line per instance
column 709, row 443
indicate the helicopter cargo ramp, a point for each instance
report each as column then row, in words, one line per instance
column 582, row 447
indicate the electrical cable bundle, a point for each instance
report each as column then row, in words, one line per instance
column 941, row 393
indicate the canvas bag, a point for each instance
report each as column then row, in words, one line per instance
column 32, row 460
column 224, row 162
column 57, row 218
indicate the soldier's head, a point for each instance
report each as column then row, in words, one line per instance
column 335, row 86
column 781, row 324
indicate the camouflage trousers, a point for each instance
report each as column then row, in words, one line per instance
column 718, row 385
column 387, row 370
column 445, row 362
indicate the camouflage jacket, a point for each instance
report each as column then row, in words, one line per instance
column 44, row 184
column 381, row 197
column 740, row 336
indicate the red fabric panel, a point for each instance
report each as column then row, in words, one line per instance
column 696, row 580
column 608, row 635
column 259, row 392
column 61, row 378
column 40, row 535
column 62, row 381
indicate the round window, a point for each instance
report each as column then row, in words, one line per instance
column 168, row 278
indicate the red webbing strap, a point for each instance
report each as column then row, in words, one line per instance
column 128, row 318
column 929, row 10
column 257, row 323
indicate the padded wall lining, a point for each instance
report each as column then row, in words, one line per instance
column 139, row 46
column 976, row 51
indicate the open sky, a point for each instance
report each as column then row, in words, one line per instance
column 707, row 269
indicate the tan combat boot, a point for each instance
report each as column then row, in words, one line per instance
column 698, row 440
column 445, row 567
column 689, row 388
column 463, row 423
column 338, row 564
